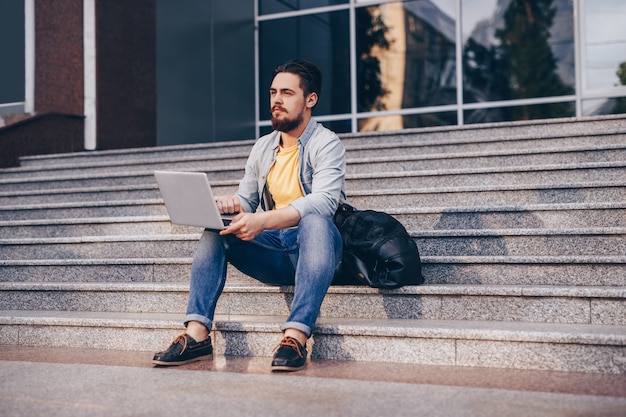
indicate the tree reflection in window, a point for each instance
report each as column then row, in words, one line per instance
column 521, row 65
column 620, row 103
column 371, row 34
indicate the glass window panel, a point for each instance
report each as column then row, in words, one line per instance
column 12, row 68
column 397, row 122
column 605, row 43
column 281, row 6
column 518, row 113
column 264, row 130
column 604, row 106
column 516, row 49
column 322, row 38
column 338, row 126
column 405, row 55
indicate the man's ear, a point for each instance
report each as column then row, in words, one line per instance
column 311, row 100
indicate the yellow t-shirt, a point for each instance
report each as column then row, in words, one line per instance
column 282, row 180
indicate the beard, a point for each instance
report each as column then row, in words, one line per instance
column 286, row 124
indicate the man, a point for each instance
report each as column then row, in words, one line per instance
column 283, row 233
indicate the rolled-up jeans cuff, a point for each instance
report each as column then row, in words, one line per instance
column 298, row 326
column 197, row 317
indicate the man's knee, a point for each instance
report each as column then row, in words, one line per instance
column 315, row 222
column 318, row 233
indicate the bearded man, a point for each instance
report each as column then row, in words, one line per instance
column 283, row 233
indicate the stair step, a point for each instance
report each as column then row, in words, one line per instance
column 544, row 346
column 115, row 156
column 610, row 171
column 176, row 245
column 522, row 242
column 102, row 226
column 515, row 303
column 445, row 143
column 378, row 199
column 613, row 171
column 220, row 150
column 529, row 134
column 510, row 217
column 88, row 209
column 114, row 179
column 495, row 195
column 379, row 158
column 96, row 270
column 83, row 194
column 470, row 242
column 410, row 160
column 575, row 215
column 95, row 194
column 195, row 163
column 463, row 270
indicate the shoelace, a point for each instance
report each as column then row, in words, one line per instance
column 291, row 342
column 178, row 339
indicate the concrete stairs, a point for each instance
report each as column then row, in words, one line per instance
column 520, row 226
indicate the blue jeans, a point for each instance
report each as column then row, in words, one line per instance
column 305, row 256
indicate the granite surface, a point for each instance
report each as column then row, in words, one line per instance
column 128, row 391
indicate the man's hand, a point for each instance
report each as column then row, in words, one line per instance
column 229, row 204
column 246, row 226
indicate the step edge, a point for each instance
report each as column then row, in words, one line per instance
column 587, row 334
column 426, row 260
column 591, row 292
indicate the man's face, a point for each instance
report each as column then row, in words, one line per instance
column 287, row 102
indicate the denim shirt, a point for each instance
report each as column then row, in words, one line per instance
column 321, row 174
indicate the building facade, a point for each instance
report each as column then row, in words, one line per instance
column 157, row 72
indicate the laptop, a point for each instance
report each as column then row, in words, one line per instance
column 189, row 199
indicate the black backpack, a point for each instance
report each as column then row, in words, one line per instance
column 377, row 250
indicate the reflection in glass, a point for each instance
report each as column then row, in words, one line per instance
column 322, row 38
column 338, row 126
column 517, row 113
column 397, row 122
column 405, row 57
column 13, row 53
column 604, row 106
column 281, row 6
column 605, row 42
column 518, row 49
column 264, row 130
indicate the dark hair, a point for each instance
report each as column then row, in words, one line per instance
column 310, row 75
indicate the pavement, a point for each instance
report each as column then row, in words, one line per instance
column 88, row 382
